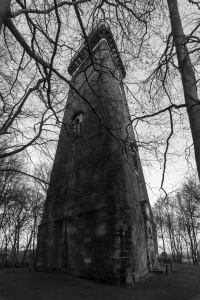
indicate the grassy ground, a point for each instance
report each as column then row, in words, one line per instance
column 21, row 284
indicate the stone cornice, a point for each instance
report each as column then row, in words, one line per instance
column 101, row 31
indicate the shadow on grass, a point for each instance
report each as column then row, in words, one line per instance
column 182, row 284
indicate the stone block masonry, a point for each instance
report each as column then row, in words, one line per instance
column 92, row 224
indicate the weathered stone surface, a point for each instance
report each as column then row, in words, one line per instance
column 129, row 278
column 92, row 224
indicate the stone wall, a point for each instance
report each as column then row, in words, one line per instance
column 92, row 224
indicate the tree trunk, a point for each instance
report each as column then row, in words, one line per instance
column 34, row 232
column 171, row 244
column 27, row 247
column 191, row 246
column 195, row 244
column 163, row 241
column 181, row 254
column 188, row 77
column 188, row 255
column 4, row 7
column 17, row 246
column 6, row 251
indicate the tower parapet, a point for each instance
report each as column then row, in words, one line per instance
column 101, row 31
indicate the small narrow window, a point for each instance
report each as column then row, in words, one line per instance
column 148, row 212
column 134, row 146
column 134, row 150
column 77, row 123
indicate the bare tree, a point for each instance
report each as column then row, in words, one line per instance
column 21, row 205
column 179, row 216
column 34, row 89
column 38, row 50
column 189, row 209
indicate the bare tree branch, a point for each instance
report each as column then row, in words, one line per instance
column 10, row 120
column 45, row 11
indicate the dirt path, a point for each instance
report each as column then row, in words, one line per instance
column 21, row 284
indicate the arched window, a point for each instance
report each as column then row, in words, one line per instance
column 149, row 230
column 78, row 123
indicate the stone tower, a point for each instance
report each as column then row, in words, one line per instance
column 97, row 220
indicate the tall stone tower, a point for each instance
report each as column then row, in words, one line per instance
column 97, row 220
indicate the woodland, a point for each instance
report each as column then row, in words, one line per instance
column 158, row 41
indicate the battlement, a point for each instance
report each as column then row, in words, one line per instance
column 101, row 31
